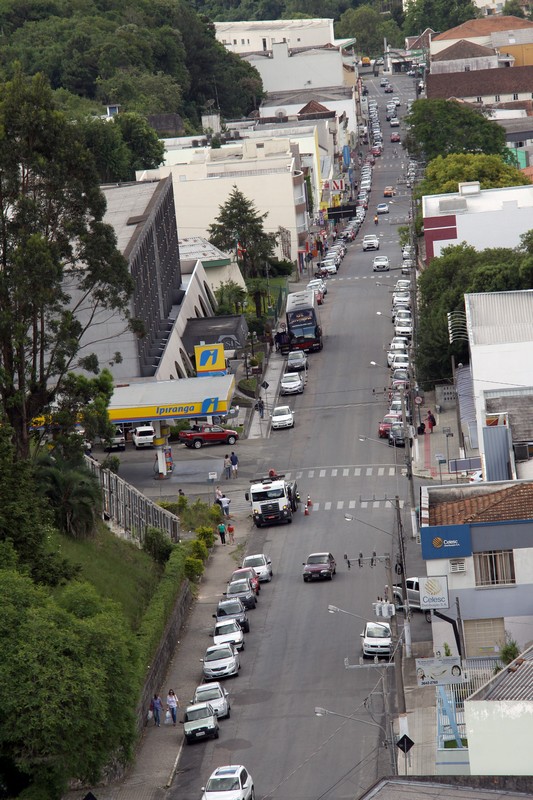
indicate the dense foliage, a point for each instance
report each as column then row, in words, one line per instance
column 440, row 127
column 444, row 174
column 370, row 28
column 439, row 15
column 442, row 285
column 150, row 57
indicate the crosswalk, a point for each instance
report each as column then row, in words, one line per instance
column 350, row 505
column 387, row 470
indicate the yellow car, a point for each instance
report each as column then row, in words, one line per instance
column 388, row 191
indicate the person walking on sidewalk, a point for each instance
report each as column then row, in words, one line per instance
column 261, row 407
column 431, row 421
column 227, row 467
column 222, row 533
column 231, row 534
column 225, row 501
column 234, row 464
column 172, row 705
column 156, row 706
column 218, row 496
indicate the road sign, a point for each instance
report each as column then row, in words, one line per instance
column 419, row 400
column 405, row 743
column 265, row 385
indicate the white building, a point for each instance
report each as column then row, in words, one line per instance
column 480, row 217
column 506, row 30
column 258, row 36
column 283, row 69
column 268, row 173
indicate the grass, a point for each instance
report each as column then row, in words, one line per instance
column 117, row 569
column 451, row 744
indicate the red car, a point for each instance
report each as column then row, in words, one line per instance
column 251, row 574
column 388, row 90
column 199, row 435
column 386, row 424
column 395, row 137
column 376, row 150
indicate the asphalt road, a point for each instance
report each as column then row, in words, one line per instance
column 294, row 659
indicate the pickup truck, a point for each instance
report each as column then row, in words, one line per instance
column 200, row 721
column 199, row 435
column 413, row 595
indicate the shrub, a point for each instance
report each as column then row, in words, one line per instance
column 199, row 550
column 193, row 568
column 173, row 508
column 182, row 502
column 206, row 535
column 157, row 544
column 112, row 463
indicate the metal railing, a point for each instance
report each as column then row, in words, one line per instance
column 127, row 511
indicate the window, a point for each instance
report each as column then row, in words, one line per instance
column 496, row 98
column 515, row 96
column 243, row 41
column 235, row 41
column 479, row 100
column 494, row 568
column 467, row 68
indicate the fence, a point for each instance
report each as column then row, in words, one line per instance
column 127, row 511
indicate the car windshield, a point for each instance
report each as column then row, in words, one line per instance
column 378, row 631
column 281, row 411
column 291, row 378
column 317, row 559
column 209, row 694
column 226, row 627
column 197, row 713
column 237, row 587
column 217, row 653
column 229, row 608
column 222, row 785
column 254, row 561
column 267, row 494
column 390, row 420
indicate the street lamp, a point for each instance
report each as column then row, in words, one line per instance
column 388, row 742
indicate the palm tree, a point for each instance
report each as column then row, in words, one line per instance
column 73, row 494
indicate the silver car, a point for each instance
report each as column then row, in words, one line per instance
column 216, row 696
column 262, row 565
column 220, row 661
column 291, row 383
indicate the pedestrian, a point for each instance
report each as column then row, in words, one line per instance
column 231, row 534
column 222, row 533
column 181, row 493
column 156, row 707
column 234, row 464
column 334, row 234
column 261, row 407
column 218, row 496
column 225, row 501
column 227, row 467
column 431, row 421
column 172, row 705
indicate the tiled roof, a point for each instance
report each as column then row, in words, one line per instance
column 463, row 49
column 483, row 27
column 420, row 41
column 313, row 107
column 512, row 502
column 481, row 82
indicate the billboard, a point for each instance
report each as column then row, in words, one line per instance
column 445, row 541
column 209, row 359
column 439, row 671
column 434, row 592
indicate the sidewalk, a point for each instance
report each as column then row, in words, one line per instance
column 430, row 448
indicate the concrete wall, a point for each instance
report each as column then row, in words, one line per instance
column 312, row 68
column 499, row 736
column 523, row 54
column 460, row 65
column 249, row 37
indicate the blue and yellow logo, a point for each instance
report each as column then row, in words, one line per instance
column 210, row 359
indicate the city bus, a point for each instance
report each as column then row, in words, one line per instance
column 304, row 331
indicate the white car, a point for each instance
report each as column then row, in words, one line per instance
column 402, row 285
column 220, row 661
column 216, row 696
column 403, row 328
column 382, row 208
column 282, row 417
column 395, row 351
column 229, row 783
column 476, row 477
column 291, row 383
column 262, row 565
column 381, row 264
column 399, row 340
column 394, row 122
column 319, row 284
column 396, row 100
column 376, row 639
column 401, row 298
column 370, row 242
column 400, row 361
column 229, row 632
column 199, row 722
column 143, row 436
column 330, row 266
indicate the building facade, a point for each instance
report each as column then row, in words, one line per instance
column 259, row 36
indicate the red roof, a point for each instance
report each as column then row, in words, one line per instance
column 483, row 27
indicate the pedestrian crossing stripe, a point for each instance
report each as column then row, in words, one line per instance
column 341, row 505
column 387, row 470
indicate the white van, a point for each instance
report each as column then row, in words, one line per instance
column 143, row 436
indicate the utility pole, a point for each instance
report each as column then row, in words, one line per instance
column 396, row 645
column 401, row 553
column 409, row 466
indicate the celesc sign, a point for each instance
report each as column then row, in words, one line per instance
column 446, row 541
column 434, row 592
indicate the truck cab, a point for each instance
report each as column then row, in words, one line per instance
column 273, row 500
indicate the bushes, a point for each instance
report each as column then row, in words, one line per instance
column 193, row 568
column 206, row 534
column 157, row 544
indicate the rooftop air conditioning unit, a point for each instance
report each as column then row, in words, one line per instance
column 521, row 452
column 457, row 565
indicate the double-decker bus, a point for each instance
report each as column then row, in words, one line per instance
column 304, row 331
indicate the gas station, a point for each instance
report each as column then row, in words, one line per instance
column 161, row 403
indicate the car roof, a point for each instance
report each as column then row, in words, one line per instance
column 325, row 553
column 227, row 770
column 194, row 706
column 213, row 647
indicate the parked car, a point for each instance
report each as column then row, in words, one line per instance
column 250, row 574
column 330, row 265
column 220, row 661
column 198, row 435
column 233, row 609
column 393, row 351
column 394, row 122
column 396, row 100
column 143, row 436
column 380, row 264
column 282, row 417
column 318, row 294
column 200, row 722
column 376, row 150
column 388, row 89
column 320, row 283
column 243, row 590
column 117, row 441
column 262, row 565
column 291, row 383
column 386, row 424
column 319, row 565
column 395, row 137
column 296, row 361
column 370, row 242
column 229, row 783
column 382, row 208
column 229, row 632
column 402, row 285
column 216, row 696
column 376, row 639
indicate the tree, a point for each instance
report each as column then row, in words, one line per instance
column 146, row 151
column 51, row 210
column 513, row 8
column 443, row 175
column 64, row 663
column 441, row 127
column 240, row 228
column 231, row 298
column 440, row 15
column 73, row 493
column 369, row 27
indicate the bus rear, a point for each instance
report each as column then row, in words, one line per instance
column 303, row 321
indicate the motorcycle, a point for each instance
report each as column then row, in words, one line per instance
column 376, row 220
column 321, row 273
